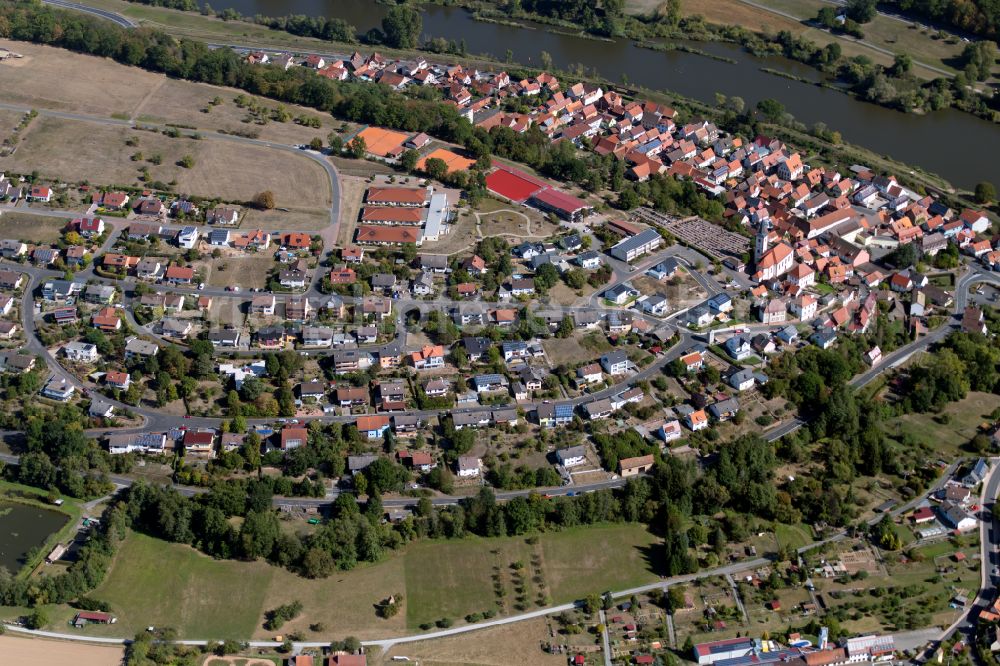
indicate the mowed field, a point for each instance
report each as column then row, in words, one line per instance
column 454, row 578
column 31, row 228
column 945, row 440
column 8, row 121
column 104, row 87
column 187, row 103
column 882, row 32
column 157, row 583
column 86, row 84
column 77, row 150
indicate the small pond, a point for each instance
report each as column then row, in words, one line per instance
column 23, row 527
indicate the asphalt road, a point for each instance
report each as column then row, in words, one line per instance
column 100, row 13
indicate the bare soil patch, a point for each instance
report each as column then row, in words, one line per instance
column 18, row 650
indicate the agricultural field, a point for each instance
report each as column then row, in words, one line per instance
column 883, row 32
column 20, row 650
column 888, row 33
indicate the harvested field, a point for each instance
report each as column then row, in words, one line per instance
column 222, row 169
column 18, row 650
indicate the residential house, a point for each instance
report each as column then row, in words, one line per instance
column 430, row 357
column 58, row 388
column 293, row 438
column 141, row 349
column 615, row 362
column 696, row 420
column 372, row 427
column 572, row 456
column 723, row 410
column 738, row 347
column 80, row 351
column 469, row 467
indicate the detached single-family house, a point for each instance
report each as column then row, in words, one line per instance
column 572, row 456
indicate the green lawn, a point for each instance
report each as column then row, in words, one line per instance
column 795, row 536
column 156, row 583
column 945, row 440
column 575, row 563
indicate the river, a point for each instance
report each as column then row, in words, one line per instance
column 23, row 527
column 956, row 145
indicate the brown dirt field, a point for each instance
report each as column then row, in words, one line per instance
column 236, row 661
column 182, row 102
column 18, row 650
column 352, row 194
column 100, row 86
column 518, row 643
column 31, row 228
column 222, row 168
column 8, row 120
column 294, row 219
column 566, row 350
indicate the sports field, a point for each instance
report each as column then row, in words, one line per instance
column 380, row 141
column 452, row 160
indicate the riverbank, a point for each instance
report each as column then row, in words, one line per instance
column 947, row 136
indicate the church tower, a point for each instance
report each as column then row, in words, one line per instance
column 761, row 246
